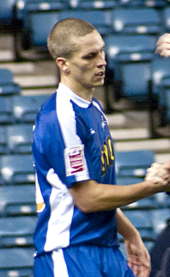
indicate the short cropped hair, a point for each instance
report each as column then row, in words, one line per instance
column 59, row 40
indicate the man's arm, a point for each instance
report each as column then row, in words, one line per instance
column 163, row 45
column 138, row 256
column 90, row 196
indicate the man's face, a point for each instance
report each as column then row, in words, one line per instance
column 87, row 65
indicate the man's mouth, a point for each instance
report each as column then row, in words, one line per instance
column 100, row 74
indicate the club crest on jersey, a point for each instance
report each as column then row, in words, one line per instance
column 75, row 161
column 104, row 121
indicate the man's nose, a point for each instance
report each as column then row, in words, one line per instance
column 102, row 60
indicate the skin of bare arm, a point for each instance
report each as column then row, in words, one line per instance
column 90, row 196
column 138, row 256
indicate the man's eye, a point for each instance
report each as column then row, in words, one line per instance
column 91, row 56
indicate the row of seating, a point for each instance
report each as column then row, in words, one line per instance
column 8, row 6
column 18, row 209
column 116, row 21
column 20, row 108
column 131, row 166
column 137, row 79
column 134, row 20
column 18, row 231
column 18, row 168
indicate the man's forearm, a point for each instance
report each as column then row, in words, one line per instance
column 90, row 196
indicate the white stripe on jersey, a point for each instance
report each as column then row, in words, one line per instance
column 60, row 268
column 68, row 126
column 61, row 203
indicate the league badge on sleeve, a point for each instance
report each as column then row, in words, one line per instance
column 75, row 160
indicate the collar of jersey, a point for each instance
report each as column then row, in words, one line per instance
column 72, row 96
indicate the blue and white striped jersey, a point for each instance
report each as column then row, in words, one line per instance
column 71, row 143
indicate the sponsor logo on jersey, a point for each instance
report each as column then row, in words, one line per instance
column 75, row 161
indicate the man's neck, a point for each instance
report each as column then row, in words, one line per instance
column 85, row 93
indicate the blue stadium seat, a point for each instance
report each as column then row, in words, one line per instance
column 17, row 169
column 128, row 48
column 5, row 110
column 17, row 231
column 142, row 204
column 19, row 138
column 17, row 200
column 159, row 219
column 7, row 84
column 143, row 3
column 16, row 262
column 133, row 163
column 93, row 4
column 6, row 12
column 33, row 16
column 141, row 219
column 135, row 81
column 99, row 18
column 3, row 144
column 166, row 18
column 162, row 199
column 128, row 180
column 35, row 22
column 25, row 108
column 136, row 21
column 160, row 78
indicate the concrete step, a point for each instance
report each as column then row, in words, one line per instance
column 157, row 145
column 130, row 134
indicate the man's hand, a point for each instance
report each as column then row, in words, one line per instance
column 138, row 258
column 163, row 45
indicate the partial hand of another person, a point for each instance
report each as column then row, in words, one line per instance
column 160, row 175
column 163, row 45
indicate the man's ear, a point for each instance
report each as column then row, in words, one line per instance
column 63, row 64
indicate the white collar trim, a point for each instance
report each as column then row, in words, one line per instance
column 69, row 93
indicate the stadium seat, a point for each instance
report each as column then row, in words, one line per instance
column 133, row 163
column 135, row 81
column 19, row 138
column 35, row 16
column 17, row 169
column 128, row 48
column 166, row 18
column 159, row 219
column 128, row 180
column 17, row 200
column 99, row 18
column 143, row 3
column 16, row 262
column 5, row 110
column 3, row 144
column 93, row 4
column 7, row 84
column 6, row 12
column 136, row 21
column 25, row 108
column 162, row 199
column 17, row 231
column 160, row 78
column 141, row 219
column 142, row 204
